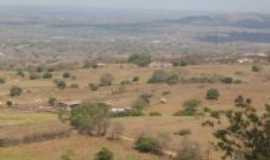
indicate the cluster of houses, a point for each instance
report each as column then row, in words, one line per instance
column 253, row 57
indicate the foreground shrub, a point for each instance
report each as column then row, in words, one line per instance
column 148, row 145
column 243, row 132
column 104, row 154
column 212, row 94
column 15, row 91
column 141, row 60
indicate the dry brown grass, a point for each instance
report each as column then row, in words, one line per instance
column 254, row 86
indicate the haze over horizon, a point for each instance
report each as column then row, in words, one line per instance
column 192, row 5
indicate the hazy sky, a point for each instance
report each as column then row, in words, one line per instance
column 201, row 5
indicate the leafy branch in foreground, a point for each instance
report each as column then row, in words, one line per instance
column 242, row 133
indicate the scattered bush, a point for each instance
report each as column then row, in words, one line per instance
column 116, row 131
column 51, row 70
column 190, row 108
column 15, row 91
column 20, row 73
column 66, row 75
column 74, row 85
column 183, row 132
column 34, row 76
column 181, row 63
column 68, row 155
column 104, row 154
column 106, row 80
column 173, row 79
column 148, row 145
column 227, row 80
column 141, row 60
column 125, row 82
column 154, row 114
column 237, row 81
column 47, row 75
column 255, row 68
column 52, row 101
column 2, row 80
column 93, row 87
column 39, row 69
column 165, row 93
column 9, row 103
column 212, row 94
column 135, row 79
column 189, row 151
column 140, row 103
column 60, row 84
column 161, row 76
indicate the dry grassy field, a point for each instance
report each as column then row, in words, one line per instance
column 17, row 123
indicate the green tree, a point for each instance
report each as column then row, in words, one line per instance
column 91, row 118
column 212, row 94
column 148, row 145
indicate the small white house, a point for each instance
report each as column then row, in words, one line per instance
column 100, row 65
column 120, row 110
column 244, row 60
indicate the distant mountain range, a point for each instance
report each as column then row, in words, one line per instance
column 236, row 20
